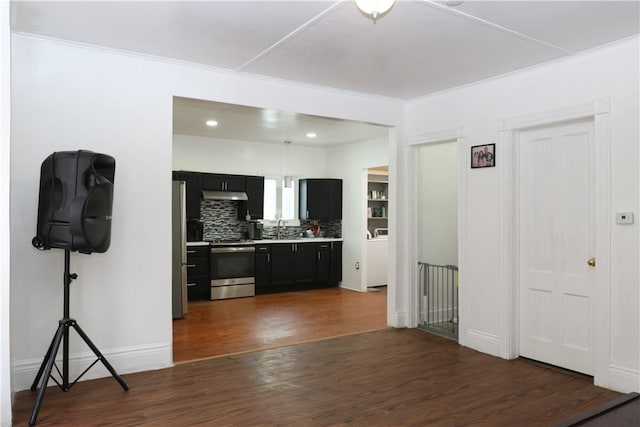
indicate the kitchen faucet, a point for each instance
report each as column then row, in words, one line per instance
column 278, row 233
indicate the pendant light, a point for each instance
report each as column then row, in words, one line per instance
column 288, row 179
column 374, row 8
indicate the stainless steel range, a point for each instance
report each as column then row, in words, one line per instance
column 232, row 269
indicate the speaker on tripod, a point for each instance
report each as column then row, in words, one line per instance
column 76, row 196
column 74, row 214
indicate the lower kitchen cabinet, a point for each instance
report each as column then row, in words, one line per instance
column 323, row 270
column 263, row 267
column 293, row 263
column 198, row 282
column 297, row 266
column 336, row 263
column 329, row 269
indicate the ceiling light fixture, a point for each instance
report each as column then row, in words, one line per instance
column 374, row 8
column 288, row 179
column 311, row 135
column 212, row 123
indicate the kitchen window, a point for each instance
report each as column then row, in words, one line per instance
column 280, row 201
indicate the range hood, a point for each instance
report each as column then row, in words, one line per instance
column 224, row 195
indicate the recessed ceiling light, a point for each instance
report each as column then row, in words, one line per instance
column 212, row 123
column 311, row 135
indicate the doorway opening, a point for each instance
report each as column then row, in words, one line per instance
column 437, row 242
column 270, row 320
column 376, row 251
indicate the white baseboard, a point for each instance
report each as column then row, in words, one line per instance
column 398, row 319
column 621, row 379
column 124, row 360
column 482, row 341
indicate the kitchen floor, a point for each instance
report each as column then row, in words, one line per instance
column 223, row 327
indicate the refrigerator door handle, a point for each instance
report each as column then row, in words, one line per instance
column 185, row 292
column 183, row 222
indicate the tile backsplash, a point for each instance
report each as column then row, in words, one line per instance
column 220, row 221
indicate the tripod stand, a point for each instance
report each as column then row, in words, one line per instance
column 62, row 335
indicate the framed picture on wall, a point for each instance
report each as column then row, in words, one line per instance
column 483, row 156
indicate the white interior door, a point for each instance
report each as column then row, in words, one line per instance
column 556, row 240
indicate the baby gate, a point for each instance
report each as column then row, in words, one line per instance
column 439, row 299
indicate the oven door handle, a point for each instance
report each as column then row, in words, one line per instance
column 227, row 250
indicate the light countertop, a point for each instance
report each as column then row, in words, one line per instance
column 270, row 241
column 300, row 240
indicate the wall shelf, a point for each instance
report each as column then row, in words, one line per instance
column 377, row 201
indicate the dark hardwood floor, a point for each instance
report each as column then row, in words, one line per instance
column 318, row 358
column 388, row 377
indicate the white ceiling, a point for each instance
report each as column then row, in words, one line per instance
column 418, row 48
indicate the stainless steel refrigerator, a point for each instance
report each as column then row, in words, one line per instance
column 179, row 249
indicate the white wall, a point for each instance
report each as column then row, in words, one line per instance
column 247, row 158
column 609, row 72
column 5, row 231
column 67, row 97
column 437, row 204
column 347, row 162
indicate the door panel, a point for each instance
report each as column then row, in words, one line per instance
column 556, row 238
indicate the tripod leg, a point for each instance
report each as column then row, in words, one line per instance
column 46, row 358
column 51, row 358
column 99, row 355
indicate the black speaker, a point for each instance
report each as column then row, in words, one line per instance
column 76, row 198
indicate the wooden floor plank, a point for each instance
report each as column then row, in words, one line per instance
column 388, row 377
column 214, row 328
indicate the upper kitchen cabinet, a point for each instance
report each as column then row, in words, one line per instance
column 193, row 191
column 217, row 182
column 254, row 206
column 320, row 198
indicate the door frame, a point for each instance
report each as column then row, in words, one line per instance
column 453, row 134
column 598, row 111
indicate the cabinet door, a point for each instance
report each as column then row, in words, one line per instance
column 282, row 264
column 193, row 192
column 336, row 262
column 335, row 198
column 236, row 183
column 255, row 205
column 323, row 264
column 320, row 199
column 263, row 266
column 304, row 265
column 213, row 182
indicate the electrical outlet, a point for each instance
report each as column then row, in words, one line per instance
column 624, row 217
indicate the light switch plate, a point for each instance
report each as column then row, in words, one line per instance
column 624, row 217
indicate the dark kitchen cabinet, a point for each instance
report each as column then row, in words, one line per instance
column 193, row 191
column 329, row 265
column 336, row 263
column 320, row 198
column 198, row 282
column 293, row 263
column 263, row 267
column 323, row 266
column 218, row 182
column 254, row 206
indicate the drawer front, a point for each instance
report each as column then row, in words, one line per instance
column 235, row 291
column 197, row 267
column 198, row 251
column 198, row 288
